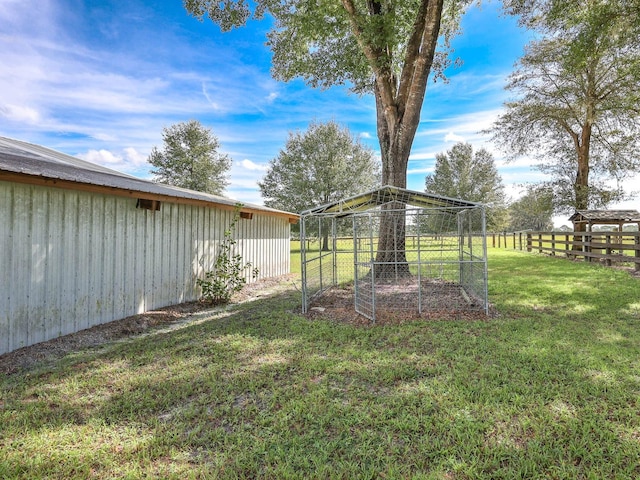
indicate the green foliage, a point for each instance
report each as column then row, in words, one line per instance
column 532, row 211
column 576, row 93
column 229, row 270
column 385, row 47
column 190, row 159
column 472, row 176
column 324, row 44
column 324, row 164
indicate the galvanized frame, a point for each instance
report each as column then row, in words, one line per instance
column 367, row 205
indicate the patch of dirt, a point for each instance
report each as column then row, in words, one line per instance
column 395, row 304
column 26, row 357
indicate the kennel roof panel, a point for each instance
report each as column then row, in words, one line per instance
column 384, row 195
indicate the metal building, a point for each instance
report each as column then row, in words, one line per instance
column 82, row 245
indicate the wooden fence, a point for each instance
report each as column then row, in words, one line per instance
column 605, row 247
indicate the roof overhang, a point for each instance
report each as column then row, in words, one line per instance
column 388, row 195
column 605, row 217
column 34, row 165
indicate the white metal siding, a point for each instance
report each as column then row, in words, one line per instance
column 70, row 260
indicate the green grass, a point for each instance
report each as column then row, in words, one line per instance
column 549, row 389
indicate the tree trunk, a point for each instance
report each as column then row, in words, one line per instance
column 325, row 242
column 398, row 104
column 391, row 258
column 581, row 185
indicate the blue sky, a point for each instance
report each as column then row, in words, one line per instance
column 99, row 79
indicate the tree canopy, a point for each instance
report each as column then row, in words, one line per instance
column 385, row 47
column 532, row 211
column 576, row 96
column 190, row 158
column 319, row 166
column 468, row 175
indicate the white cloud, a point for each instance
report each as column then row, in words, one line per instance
column 249, row 165
column 271, row 97
column 101, row 157
column 105, row 137
column 19, row 113
column 366, row 135
column 205, row 92
column 467, row 124
column 129, row 161
column 418, row 156
column 244, row 195
column 421, row 170
column 452, row 137
column 135, row 157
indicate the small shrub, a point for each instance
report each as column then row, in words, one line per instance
column 228, row 274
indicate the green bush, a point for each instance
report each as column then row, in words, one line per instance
column 228, row 274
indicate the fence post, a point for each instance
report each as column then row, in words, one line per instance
column 586, row 240
column 520, row 240
column 637, row 254
column 553, row 244
column 529, row 242
column 566, row 245
column 539, row 242
column 608, row 250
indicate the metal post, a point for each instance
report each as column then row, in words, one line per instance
column 372, row 272
column 419, row 267
column 334, row 251
column 395, row 246
column 303, row 265
column 320, row 250
column 356, row 243
column 485, row 269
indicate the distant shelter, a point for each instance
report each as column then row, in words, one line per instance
column 589, row 218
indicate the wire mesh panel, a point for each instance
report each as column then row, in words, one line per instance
column 364, row 291
column 364, row 247
column 403, row 260
column 473, row 256
column 318, row 256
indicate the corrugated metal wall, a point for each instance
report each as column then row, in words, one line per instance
column 70, row 260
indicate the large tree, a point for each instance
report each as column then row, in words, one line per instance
column 319, row 166
column 576, row 98
column 190, row 158
column 472, row 176
column 384, row 47
column 532, row 211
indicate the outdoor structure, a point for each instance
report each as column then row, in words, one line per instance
column 589, row 218
column 436, row 261
column 83, row 245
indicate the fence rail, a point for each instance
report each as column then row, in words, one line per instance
column 606, row 247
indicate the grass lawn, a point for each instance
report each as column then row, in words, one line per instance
column 549, row 389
